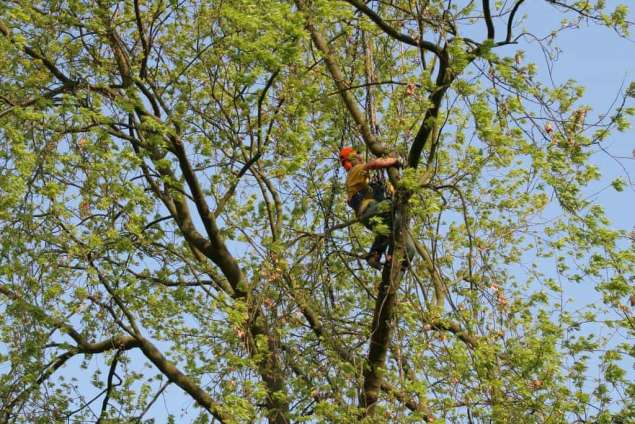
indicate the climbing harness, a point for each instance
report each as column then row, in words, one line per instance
column 377, row 189
column 379, row 186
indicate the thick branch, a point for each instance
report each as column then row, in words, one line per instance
column 426, row 131
column 179, row 210
column 144, row 40
column 381, row 329
column 217, row 250
column 488, row 20
column 118, row 341
column 121, row 56
column 175, row 375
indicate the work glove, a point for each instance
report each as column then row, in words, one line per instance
column 399, row 164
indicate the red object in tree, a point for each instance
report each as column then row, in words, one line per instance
column 345, row 154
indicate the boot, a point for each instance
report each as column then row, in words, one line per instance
column 373, row 260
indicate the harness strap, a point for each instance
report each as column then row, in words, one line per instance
column 356, row 201
column 375, row 190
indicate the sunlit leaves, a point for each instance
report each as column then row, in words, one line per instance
column 90, row 180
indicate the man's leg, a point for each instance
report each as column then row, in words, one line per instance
column 378, row 218
column 376, row 251
column 383, row 210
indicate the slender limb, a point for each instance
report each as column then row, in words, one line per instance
column 439, row 289
column 510, row 21
column 50, row 95
column 110, row 385
column 261, row 99
column 370, row 140
column 35, row 55
column 154, row 399
column 391, row 31
column 220, row 205
column 144, row 41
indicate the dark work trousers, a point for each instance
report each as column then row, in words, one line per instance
column 380, row 213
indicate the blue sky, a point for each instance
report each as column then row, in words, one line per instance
column 603, row 62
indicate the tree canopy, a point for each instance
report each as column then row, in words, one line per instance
column 174, row 220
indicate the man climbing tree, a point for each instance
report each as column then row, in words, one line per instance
column 369, row 201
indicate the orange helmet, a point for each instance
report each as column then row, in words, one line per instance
column 345, row 155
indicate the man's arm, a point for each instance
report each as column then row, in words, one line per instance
column 381, row 163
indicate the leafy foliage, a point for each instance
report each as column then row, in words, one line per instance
column 170, row 203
